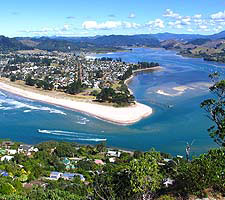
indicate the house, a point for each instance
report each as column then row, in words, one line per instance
column 68, row 167
column 168, row 182
column 7, row 144
column 11, row 151
column 4, row 173
column 113, row 153
column 112, row 160
column 7, row 158
column 55, row 175
column 65, row 176
column 66, row 161
column 99, row 162
column 68, row 176
column 28, row 149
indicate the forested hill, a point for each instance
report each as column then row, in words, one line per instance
column 9, row 44
column 123, row 40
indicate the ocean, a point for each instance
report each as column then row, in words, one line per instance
column 174, row 93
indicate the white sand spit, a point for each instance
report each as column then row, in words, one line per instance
column 122, row 116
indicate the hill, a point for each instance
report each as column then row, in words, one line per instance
column 11, row 44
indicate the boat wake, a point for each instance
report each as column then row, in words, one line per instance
column 75, row 136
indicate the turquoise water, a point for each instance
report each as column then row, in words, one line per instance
column 177, row 117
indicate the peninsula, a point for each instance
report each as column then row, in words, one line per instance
column 97, row 87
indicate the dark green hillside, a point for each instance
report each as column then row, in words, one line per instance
column 11, row 44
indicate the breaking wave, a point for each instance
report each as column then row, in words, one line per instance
column 82, row 120
column 10, row 104
column 3, row 94
column 69, row 135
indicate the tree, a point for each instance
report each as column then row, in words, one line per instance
column 29, row 81
column 75, row 87
column 145, row 177
column 13, row 78
column 106, row 94
column 216, row 109
column 7, row 188
column 101, row 147
column 203, row 172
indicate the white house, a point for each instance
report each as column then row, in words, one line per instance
column 8, row 158
column 113, row 153
column 55, row 175
column 11, row 151
column 168, row 182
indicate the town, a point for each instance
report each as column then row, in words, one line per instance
column 101, row 79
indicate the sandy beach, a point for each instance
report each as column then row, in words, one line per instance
column 122, row 116
column 148, row 69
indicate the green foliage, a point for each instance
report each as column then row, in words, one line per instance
column 205, row 171
column 29, row 80
column 101, row 147
column 65, row 149
column 121, row 97
column 7, row 188
column 216, row 110
column 56, row 194
column 75, row 87
column 13, row 77
column 13, row 197
column 106, row 94
column 145, row 174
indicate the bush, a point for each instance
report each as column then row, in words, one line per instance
column 206, row 171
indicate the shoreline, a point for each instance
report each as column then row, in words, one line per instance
column 128, row 80
column 121, row 116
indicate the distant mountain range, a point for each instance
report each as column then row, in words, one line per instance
column 142, row 38
column 103, row 43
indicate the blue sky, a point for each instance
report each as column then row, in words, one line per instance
column 105, row 17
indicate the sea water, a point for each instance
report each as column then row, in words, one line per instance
column 174, row 93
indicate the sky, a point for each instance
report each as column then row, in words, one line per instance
column 106, row 17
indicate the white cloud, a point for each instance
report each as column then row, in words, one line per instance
column 157, row 24
column 131, row 15
column 108, row 25
column 197, row 16
column 198, row 21
column 218, row 28
column 170, row 13
column 186, row 21
column 220, row 16
column 130, row 25
column 104, row 25
column 177, row 24
column 203, row 27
